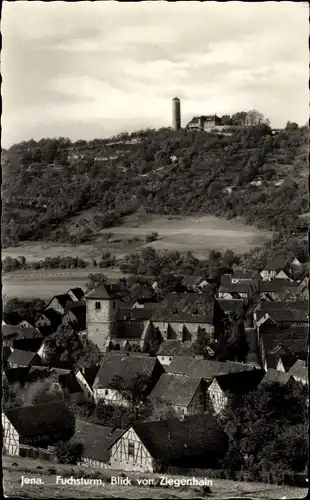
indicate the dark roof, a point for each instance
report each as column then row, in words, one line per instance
column 17, row 332
column 244, row 274
column 232, row 305
column 6, row 352
column 273, row 376
column 185, row 307
column 53, row 316
column 175, row 389
column 176, row 348
column 287, row 313
column 89, row 373
column 302, row 305
column 276, row 263
column 117, row 363
column 62, row 299
column 240, row 382
column 288, row 360
column 22, row 358
column 278, row 341
column 103, row 291
column 96, row 439
column 128, row 330
column 79, row 312
column 78, row 292
column 142, row 313
column 40, row 419
column 178, row 438
column 16, row 374
column 277, row 285
column 66, row 378
column 192, row 280
column 234, row 288
column 206, row 369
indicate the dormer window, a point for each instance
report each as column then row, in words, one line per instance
column 97, row 306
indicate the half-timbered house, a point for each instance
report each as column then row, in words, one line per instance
column 58, row 303
column 196, row 440
column 184, row 394
column 37, row 426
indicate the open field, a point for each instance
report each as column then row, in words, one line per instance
column 47, row 283
column 197, row 234
column 220, row 489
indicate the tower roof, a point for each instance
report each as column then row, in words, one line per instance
column 103, row 291
column 176, row 99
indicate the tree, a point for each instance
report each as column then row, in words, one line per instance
column 135, row 392
column 254, row 117
column 151, row 237
column 69, row 452
column 64, row 347
column 25, row 308
column 232, row 344
column 94, row 280
column 42, row 391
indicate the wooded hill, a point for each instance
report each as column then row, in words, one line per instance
column 253, row 173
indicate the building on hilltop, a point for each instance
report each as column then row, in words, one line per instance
column 176, row 113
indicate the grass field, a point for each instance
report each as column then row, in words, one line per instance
column 15, row 468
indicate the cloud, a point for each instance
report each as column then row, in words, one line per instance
column 104, row 67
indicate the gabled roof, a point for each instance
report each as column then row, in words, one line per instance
column 192, row 436
column 232, row 305
column 288, row 360
column 244, row 274
column 299, row 370
column 240, row 382
column 176, row 348
column 206, row 369
column 277, row 285
column 128, row 330
column 79, row 313
column 273, row 376
column 185, row 307
column 192, row 280
column 17, row 332
column 236, row 288
column 293, row 340
column 117, row 363
column 96, row 439
column 78, row 292
column 53, row 316
column 22, row 358
column 62, row 299
column 103, row 291
column 40, row 419
column 175, row 389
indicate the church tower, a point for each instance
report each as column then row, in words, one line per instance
column 102, row 306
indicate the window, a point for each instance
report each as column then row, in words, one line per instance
column 131, row 449
column 97, row 305
column 113, row 304
column 106, row 391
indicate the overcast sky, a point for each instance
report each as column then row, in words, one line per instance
column 86, row 70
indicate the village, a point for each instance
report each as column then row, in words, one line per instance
column 157, row 367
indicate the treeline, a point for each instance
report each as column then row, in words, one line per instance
column 45, row 183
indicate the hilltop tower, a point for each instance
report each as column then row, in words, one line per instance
column 101, row 315
column 176, row 113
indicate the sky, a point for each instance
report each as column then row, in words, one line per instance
column 87, row 70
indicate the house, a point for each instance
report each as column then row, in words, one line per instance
column 37, row 426
column 204, row 122
column 194, row 283
column 48, row 321
column 205, row 369
column 286, row 359
column 96, row 441
column 281, row 313
column 276, row 267
column 275, row 342
column 76, row 294
column 25, row 339
column 58, row 303
column 145, row 303
column 184, row 394
column 181, row 315
column 232, row 290
column 127, row 368
column 71, row 383
column 299, row 372
column 300, row 261
column 276, row 377
column 10, row 318
column 75, row 315
column 276, row 290
column 171, row 348
column 25, row 323
column 23, row 359
column 196, row 440
column 232, row 383
column 244, row 275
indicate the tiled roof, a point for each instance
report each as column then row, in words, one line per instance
column 176, row 348
column 232, row 305
column 78, row 292
column 234, row 288
column 206, row 369
column 240, row 382
column 17, row 332
column 244, row 274
column 175, row 389
column 185, row 307
column 192, row 280
column 192, row 436
column 103, row 291
column 22, row 358
column 96, row 439
column 53, row 316
column 128, row 330
column 299, row 370
column 62, row 299
column 273, row 376
column 277, row 285
column 41, row 419
column 288, row 360
column 119, row 364
column 291, row 340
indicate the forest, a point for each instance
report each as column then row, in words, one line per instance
column 253, row 173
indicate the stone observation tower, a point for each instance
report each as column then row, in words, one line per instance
column 176, row 113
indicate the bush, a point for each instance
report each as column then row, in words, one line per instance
column 151, row 237
column 69, row 453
